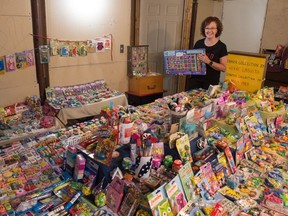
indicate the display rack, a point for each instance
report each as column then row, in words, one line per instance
column 137, row 60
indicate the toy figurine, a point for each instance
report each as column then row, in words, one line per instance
column 142, row 212
column 87, row 187
column 100, row 199
column 201, row 143
column 168, row 161
column 126, row 163
column 165, row 209
column 177, row 164
column 180, row 200
column 219, row 113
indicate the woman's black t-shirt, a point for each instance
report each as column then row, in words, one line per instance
column 214, row 53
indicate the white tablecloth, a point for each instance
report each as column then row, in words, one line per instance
column 90, row 109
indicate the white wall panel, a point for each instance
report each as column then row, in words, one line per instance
column 87, row 19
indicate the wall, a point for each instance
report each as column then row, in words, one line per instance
column 113, row 17
column 16, row 27
column 243, row 34
column 208, row 8
column 242, row 22
column 88, row 19
column 275, row 28
column 205, row 8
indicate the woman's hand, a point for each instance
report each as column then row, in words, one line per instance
column 204, row 58
column 221, row 66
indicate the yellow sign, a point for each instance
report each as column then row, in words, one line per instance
column 246, row 70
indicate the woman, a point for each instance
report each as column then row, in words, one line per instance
column 215, row 56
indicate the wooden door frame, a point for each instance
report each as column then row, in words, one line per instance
column 188, row 29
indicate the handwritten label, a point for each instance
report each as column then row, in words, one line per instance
column 172, row 189
column 246, row 70
column 156, row 199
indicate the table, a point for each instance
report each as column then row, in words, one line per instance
column 34, row 133
column 140, row 99
column 124, row 151
column 90, row 109
column 105, row 171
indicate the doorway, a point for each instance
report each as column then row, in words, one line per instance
column 162, row 25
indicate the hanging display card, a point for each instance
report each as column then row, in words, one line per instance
column 183, row 147
column 246, row 70
column 20, row 60
column 2, row 65
column 186, row 174
column 54, row 47
column 91, row 46
column 44, row 54
column 10, row 62
column 29, row 57
column 99, row 44
column 73, row 48
column 159, row 203
column 175, row 195
column 108, row 42
column 185, row 62
column 82, row 49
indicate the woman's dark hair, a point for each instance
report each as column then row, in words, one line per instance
column 207, row 21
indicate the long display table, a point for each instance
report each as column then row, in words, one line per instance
column 89, row 110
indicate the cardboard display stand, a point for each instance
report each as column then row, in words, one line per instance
column 246, row 70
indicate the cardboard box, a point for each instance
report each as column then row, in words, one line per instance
column 146, row 85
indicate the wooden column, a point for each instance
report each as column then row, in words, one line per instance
column 192, row 33
column 193, row 23
column 135, row 22
column 40, row 38
column 186, row 37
